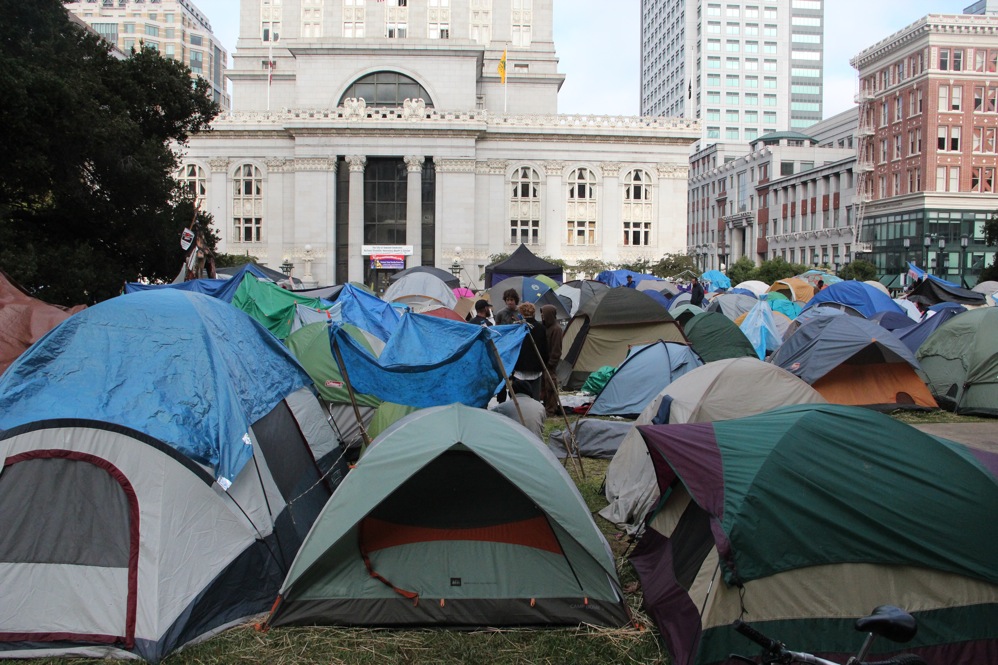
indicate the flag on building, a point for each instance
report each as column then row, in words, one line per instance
column 270, row 75
column 502, row 67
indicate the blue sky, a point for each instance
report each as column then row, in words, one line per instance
column 598, row 45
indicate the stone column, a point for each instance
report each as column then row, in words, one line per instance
column 414, row 209
column 611, row 235
column 355, row 219
column 553, row 221
column 217, row 202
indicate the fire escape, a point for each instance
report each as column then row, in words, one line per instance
column 865, row 132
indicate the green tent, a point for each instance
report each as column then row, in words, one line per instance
column 271, row 305
column 804, row 518
column 455, row 516
column 310, row 345
column 715, row 337
column 961, row 361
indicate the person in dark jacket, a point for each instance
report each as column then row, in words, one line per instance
column 696, row 293
column 554, row 335
column 509, row 314
column 529, row 365
column 481, row 317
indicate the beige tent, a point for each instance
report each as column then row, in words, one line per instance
column 793, row 288
column 720, row 390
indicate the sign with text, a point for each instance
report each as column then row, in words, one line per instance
column 399, row 250
column 387, row 261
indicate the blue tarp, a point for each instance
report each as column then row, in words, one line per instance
column 431, row 361
column 223, row 289
column 366, row 311
column 185, row 368
column 614, row 278
column 760, row 328
column 863, row 298
column 715, row 280
column 913, row 336
column 646, row 371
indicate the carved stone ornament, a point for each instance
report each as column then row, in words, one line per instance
column 354, row 107
column 413, row 109
column 554, row 168
column 414, row 163
column 356, row 163
column 454, row 165
column 219, row 165
column 276, row 164
column 314, row 164
column 610, row 169
column 673, row 171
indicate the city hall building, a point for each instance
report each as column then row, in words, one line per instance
column 427, row 129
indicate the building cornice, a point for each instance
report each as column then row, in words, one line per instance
column 932, row 24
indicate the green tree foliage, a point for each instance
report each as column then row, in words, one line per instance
column 87, row 194
column 641, row 265
column 741, row 270
column 778, row 268
column 671, row 265
column 859, row 270
column 990, row 273
column 591, row 267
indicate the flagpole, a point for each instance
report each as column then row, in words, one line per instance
column 270, row 66
column 505, row 80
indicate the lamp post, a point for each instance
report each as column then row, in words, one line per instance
column 906, row 242
column 941, row 257
column 816, row 259
column 287, row 267
column 455, row 266
column 964, row 241
column 927, row 242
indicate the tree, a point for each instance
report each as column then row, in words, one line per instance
column 741, row 270
column 859, row 270
column 990, row 273
column 673, row 264
column 591, row 267
column 641, row 265
column 778, row 268
column 88, row 198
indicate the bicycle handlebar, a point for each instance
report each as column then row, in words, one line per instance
column 757, row 637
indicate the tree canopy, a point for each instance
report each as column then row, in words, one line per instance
column 88, row 198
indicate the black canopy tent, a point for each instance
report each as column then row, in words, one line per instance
column 522, row 263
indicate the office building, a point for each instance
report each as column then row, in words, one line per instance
column 745, row 68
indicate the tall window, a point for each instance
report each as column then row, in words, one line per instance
column 525, row 207
column 311, row 19
column 193, row 183
column 481, row 21
column 270, row 20
column 247, row 204
column 438, row 19
column 637, row 208
column 397, row 19
column 522, row 21
column 353, row 19
column 581, row 208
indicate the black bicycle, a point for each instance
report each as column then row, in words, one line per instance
column 885, row 621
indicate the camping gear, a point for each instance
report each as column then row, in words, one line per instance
column 646, row 371
column 606, row 326
column 162, row 461
column 936, row 290
column 850, row 360
column 765, row 516
column 755, row 286
column 860, row 296
column 521, row 263
column 961, row 361
column 714, row 336
column 721, row 390
column 598, row 379
column 455, row 517
column 596, row 438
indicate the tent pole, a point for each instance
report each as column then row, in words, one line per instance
column 353, row 399
column 505, row 378
column 571, row 443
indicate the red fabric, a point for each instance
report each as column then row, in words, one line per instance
column 378, row 534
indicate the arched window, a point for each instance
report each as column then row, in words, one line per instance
column 386, row 89
column 636, row 214
column 247, row 204
column 525, row 207
column 581, row 207
column 193, row 184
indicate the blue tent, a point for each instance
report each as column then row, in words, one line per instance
column 366, row 311
column 715, row 280
column 223, row 289
column 863, row 298
column 185, row 368
column 646, row 371
column 430, row 361
column 619, row 277
column 913, row 336
column 759, row 327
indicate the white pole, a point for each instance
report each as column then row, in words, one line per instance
column 270, row 65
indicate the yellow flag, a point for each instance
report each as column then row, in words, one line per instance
column 502, row 67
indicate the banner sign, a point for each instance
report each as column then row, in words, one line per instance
column 387, row 261
column 371, row 250
column 186, row 238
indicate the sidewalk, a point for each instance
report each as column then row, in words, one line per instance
column 978, row 435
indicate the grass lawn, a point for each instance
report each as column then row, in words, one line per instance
column 579, row 646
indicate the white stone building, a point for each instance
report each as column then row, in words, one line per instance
column 359, row 124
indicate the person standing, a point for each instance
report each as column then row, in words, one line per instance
column 481, row 317
column 509, row 314
column 696, row 293
column 554, row 334
column 631, row 284
column 532, row 410
column 529, row 365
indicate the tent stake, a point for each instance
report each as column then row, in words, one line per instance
column 353, row 398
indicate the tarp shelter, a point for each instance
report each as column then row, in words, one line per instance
column 715, row 280
column 259, row 271
column 444, row 276
column 421, row 291
column 858, row 295
column 722, row 390
column 431, row 361
column 606, row 327
column 850, row 360
column 935, row 290
column 732, row 305
column 793, row 288
column 759, row 327
column 162, row 461
column 961, row 361
column 614, row 278
column 765, row 514
column 23, row 320
column 814, row 276
column 455, row 517
column 714, row 337
column 916, row 335
column 646, row 371
column 523, row 263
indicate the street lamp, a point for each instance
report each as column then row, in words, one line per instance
column 964, row 241
column 941, row 257
column 904, row 261
column 927, row 242
column 287, row 267
column 816, row 259
column 455, row 267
